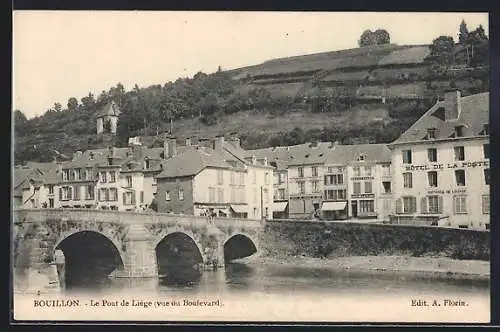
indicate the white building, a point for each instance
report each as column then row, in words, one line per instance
column 441, row 172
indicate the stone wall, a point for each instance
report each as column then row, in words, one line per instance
column 335, row 239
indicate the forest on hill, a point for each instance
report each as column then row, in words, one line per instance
column 368, row 94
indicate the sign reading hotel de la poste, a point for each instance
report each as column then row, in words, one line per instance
column 443, row 166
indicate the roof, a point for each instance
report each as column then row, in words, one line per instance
column 193, row 160
column 301, row 154
column 348, row 154
column 111, row 108
column 474, row 115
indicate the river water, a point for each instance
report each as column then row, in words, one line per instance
column 275, row 278
column 278, row 292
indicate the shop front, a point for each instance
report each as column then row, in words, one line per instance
column 336, row 210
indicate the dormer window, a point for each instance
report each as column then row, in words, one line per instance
column 459, row 131
column 431, row 133
column 362, row 157
column 146, row 163
column 91, row 156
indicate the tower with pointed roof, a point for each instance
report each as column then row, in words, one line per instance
column 107, row 118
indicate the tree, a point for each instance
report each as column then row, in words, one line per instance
column 442, row 49
column 72, row 104
column 377, row 37
column 367, row 38
column 463, row 34
column 382, row 37
column 58, row 107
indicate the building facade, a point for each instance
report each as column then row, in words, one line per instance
column 441, row 165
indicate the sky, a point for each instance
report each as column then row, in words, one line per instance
column 63, row 54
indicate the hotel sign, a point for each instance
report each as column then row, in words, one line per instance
column 447, row 191
column 440, row 167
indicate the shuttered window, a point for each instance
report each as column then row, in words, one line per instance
column 409, row 204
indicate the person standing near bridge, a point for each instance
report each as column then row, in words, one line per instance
column 60, row 262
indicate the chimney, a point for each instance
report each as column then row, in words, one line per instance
column 334, row 144
column 235, row 141
column 218, row 142
column 188, row 141
column 170, row 147
column 452, row 106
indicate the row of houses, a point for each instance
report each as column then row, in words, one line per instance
column 436, row 172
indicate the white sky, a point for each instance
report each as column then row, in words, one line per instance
column 58, row 55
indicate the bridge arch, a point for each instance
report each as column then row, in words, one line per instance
column 239, row 245
column 90, row 257
column 179, row 257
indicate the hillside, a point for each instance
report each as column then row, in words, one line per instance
column 367, row 94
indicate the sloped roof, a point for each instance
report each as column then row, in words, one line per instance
column 474, row 115
column 192, row 161
column 111, row 108
column 301, row 154
column 348, row 154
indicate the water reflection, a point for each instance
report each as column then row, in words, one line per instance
column 282, row 279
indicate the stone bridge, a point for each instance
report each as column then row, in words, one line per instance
column 129, row 244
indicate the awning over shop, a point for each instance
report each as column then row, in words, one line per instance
column 239, row 208
column 333, row 206
column 279, row 206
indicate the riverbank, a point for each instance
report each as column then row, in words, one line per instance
column 438, row 267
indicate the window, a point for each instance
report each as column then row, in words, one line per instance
column 315, row 186
column 181, row 194
column 128, row 178
column 65, row 174
column 368, row 187
column 220, row 195
column 103, row 176
column 407, row 180
column 167, row 195
column 460, row 204
column 89, row 192
column 406, row 156
column 211, row 195
column 486, row 204
column 242, row 179
column 366, row 206
column 362, row 157
column 281, row 194
column 335, row 195
column 486, row 151
column 386, row 170
column 127, row 198
column 459, row 153
column 146, row 163
column 76, row 174
column 77, row 193
column 220, row 177
column 51, row 203
column 409, row 204
column 91, row 156
column 142, row 196
column 357, row 187
column 432, row 178
column 487, row 176
column 432, row 155
column 113, row 194
column 368, row 171
column 302, row 187
column 431, row 133
column 433, row 204
column 112, row 176
column 301, row 172
column 460, row 177
column 51, row 189
column 459, row 131
column 281, row 178
column 338, row 179
column 357, row 171
column 314, row 170
column 103, row 194
column 387, row 187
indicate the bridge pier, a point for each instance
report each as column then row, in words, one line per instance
column 140, row 256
